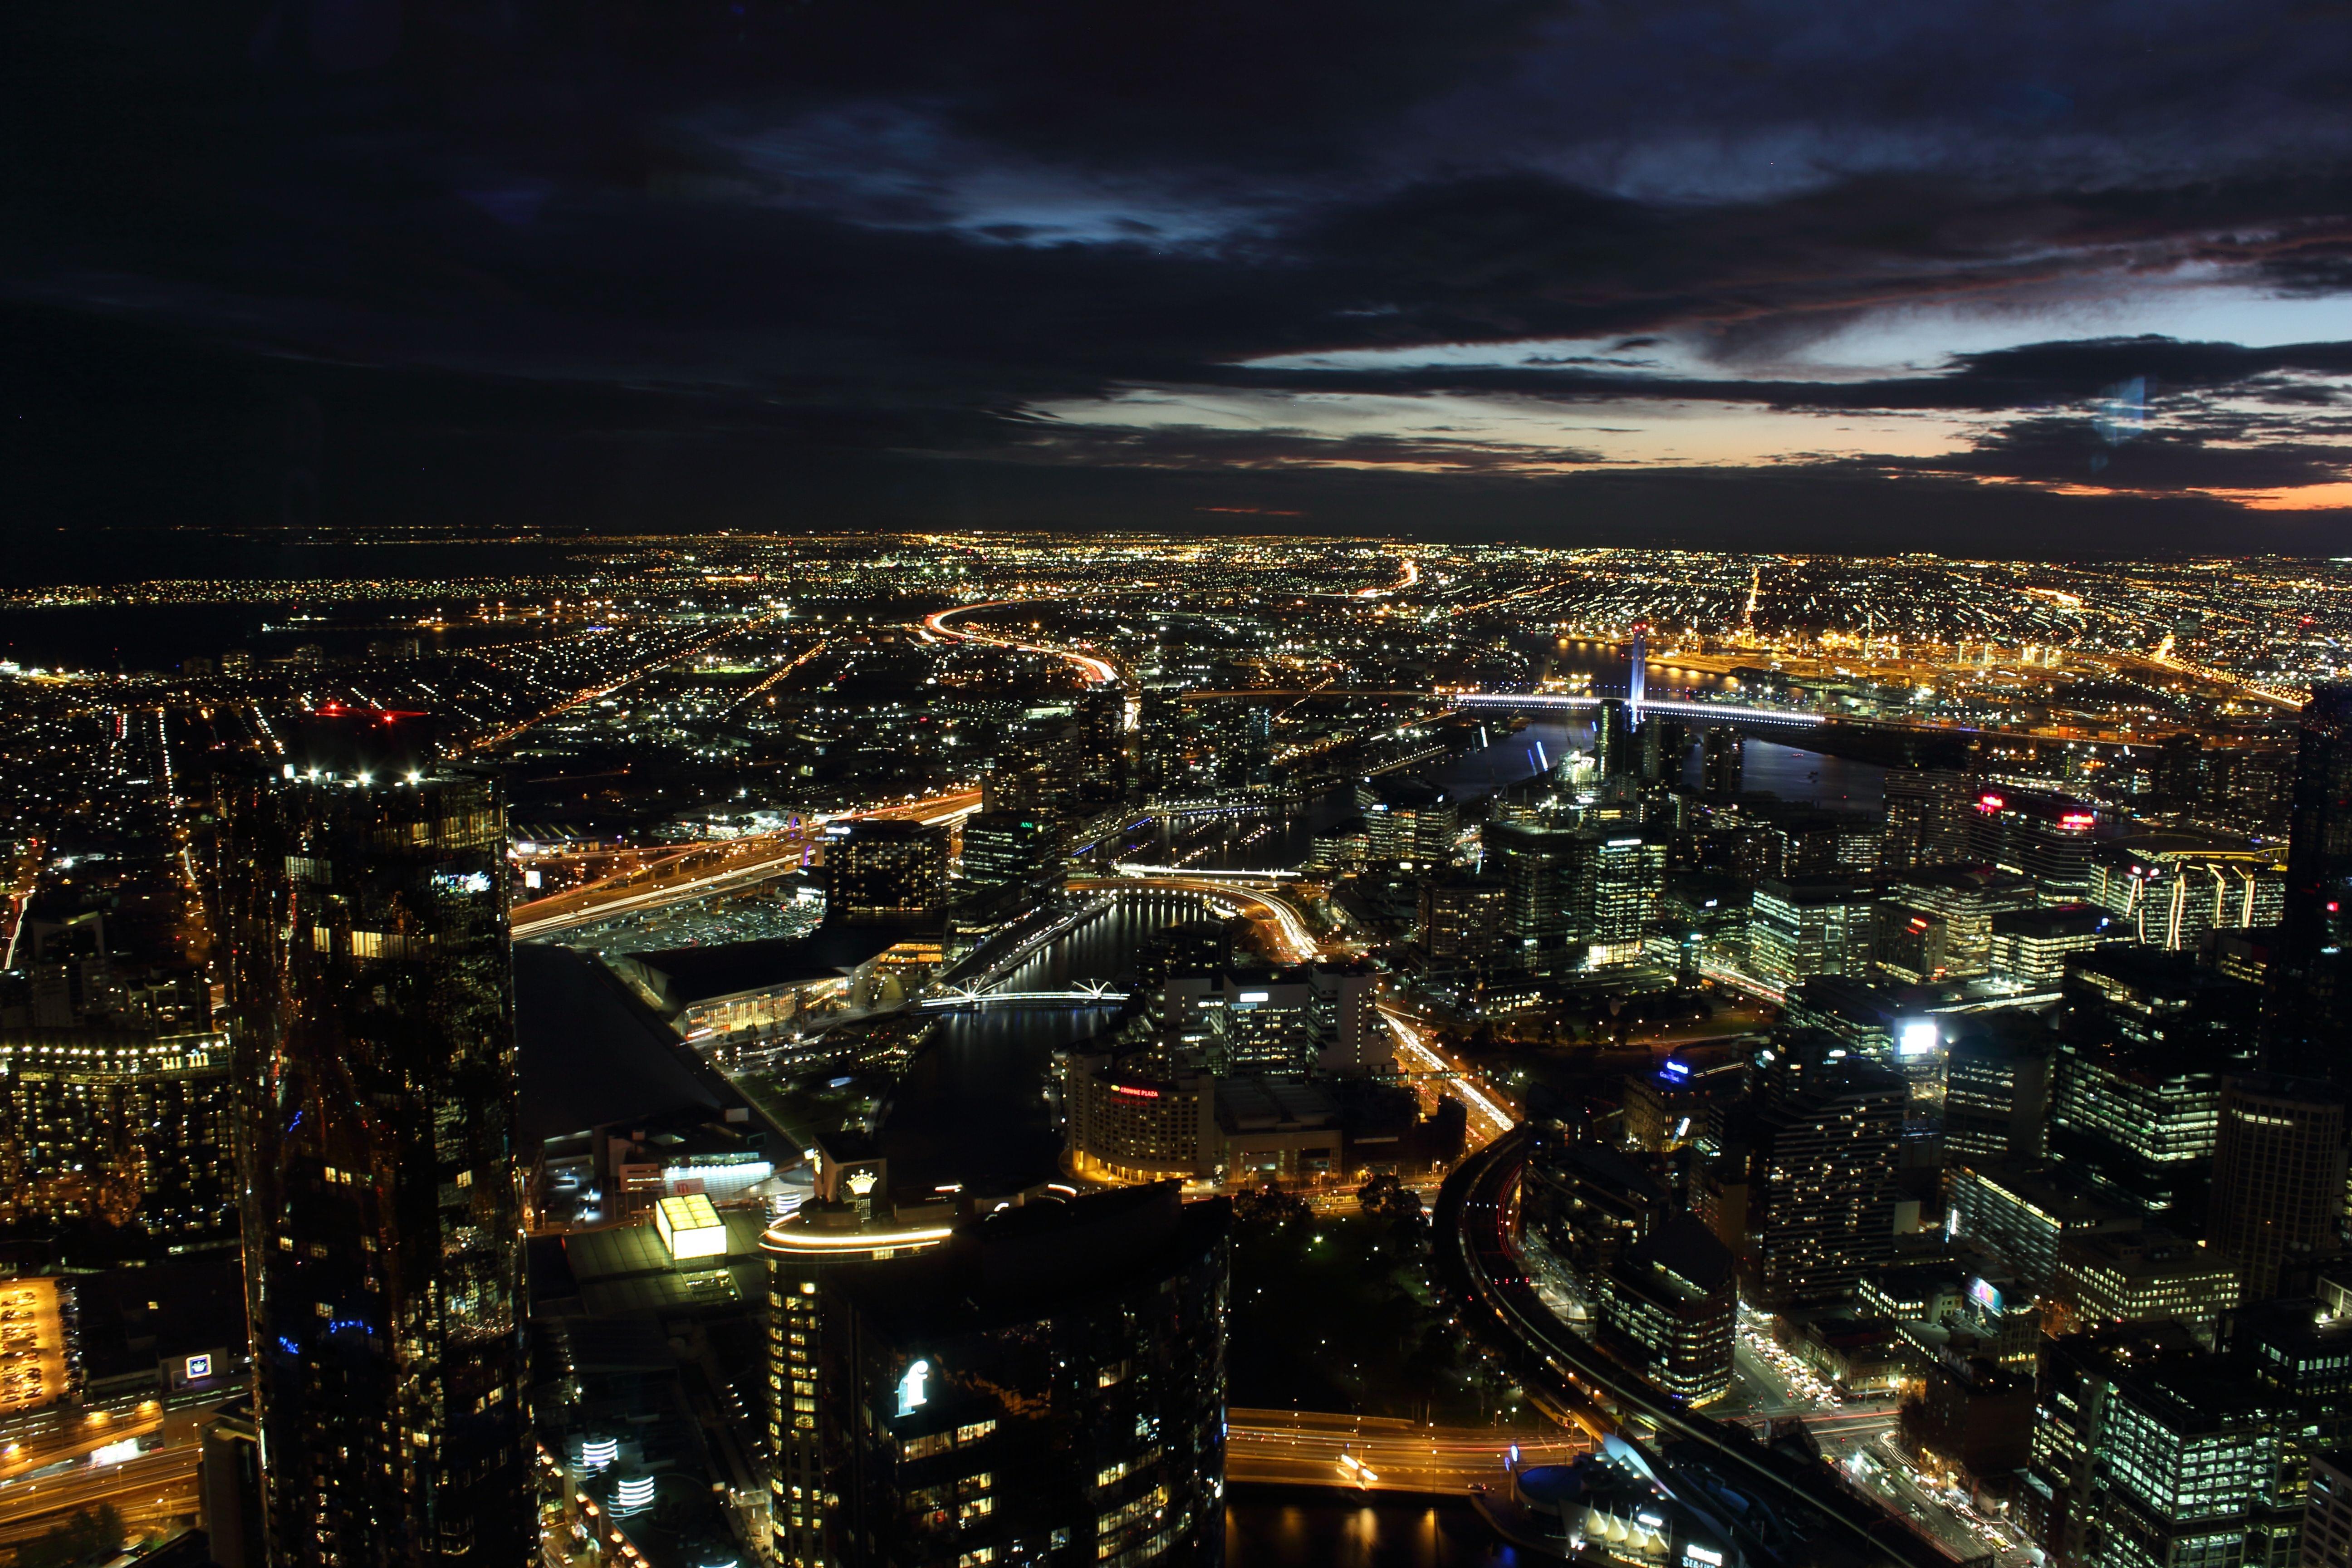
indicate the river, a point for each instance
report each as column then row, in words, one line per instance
column 973, row 1106
column 1300, row 1527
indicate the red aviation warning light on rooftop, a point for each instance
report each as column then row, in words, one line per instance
column 380, row 715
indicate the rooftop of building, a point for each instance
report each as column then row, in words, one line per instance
column 1268, row 1104
column 1982, row 880
column 1828, row 888
column 1592, row 1161
column 2053, row 922
column 2001, row 1036
column 624, row 1271
column 1029, row 1262
column 2184, row 843
column 692, row 974
column 590, row 1052
column 2150, row 1251
column 2044, row 1189
column 1687, row 1248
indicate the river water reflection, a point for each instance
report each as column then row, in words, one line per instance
column 1305, row 1528
column 973, row 1108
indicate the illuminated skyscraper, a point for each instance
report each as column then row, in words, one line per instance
column 369, row 982
column 1614, row 884
column 1826, row 1149
column 1043, row 1383
column 1615, row 748
column 885, row 870
column 1722, row 763
column 2309, row 1022
column 128, row 1128
column 2046, row 837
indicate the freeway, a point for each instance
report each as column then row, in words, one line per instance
column 1365, row 1453
column 1292, row 942
column 150, row 1490
column 1096, row 995
column 1096, row 671
column 1475, row 1257
column 25, row 877
column 713, row 869
column 1489, row 1118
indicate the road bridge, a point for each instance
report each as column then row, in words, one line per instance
column 1674, row 707
column 1137, row 869
column 1294, row 943
column 1384, row 1454
column 958, row 999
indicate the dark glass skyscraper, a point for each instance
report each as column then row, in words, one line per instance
column 1044, row 1385
column 373, row 1033
column 2310, row 1003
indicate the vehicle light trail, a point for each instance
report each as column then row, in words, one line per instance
column 1487, row 1115
column 1096, row 671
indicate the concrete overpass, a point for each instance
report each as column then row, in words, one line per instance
column 1566, row 1373
column 701, row 871
column 1294, row 944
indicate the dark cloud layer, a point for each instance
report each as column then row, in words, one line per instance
column 807, row 263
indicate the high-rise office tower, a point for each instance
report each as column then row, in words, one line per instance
column 885, row 869
column 2327, row 1516
column 1408, row 823
column 2171, row 897
column 2278, row 1180
column 1665, row 747
column 1462, row 920
column 1799, row 927
column 1015, row 855
column 2148, row 1451
column 2308, row 1026
column 1614, row 746
column 1613, row 885
column 2047, row 837
column 1722, row 757
column 2145, row 1040
column 1668, row 1308
column 363, row 901
column 1826, row 1151
column 2031, row 948
column 1937, row 923
column 1042, row 1384
column 1927, row 818
column 1997, row 1088
column 1532, row 863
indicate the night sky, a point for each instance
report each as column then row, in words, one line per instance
column 2059, row 277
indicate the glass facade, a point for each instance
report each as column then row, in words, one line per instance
column 124, row 1128
column 371, row 987
column 1047, row 1386
column 2310, row 1005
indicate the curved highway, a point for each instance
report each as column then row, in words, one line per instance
column 1096, row 671
column 1292, row 942
column 1473, row 1228
column 706, row 869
